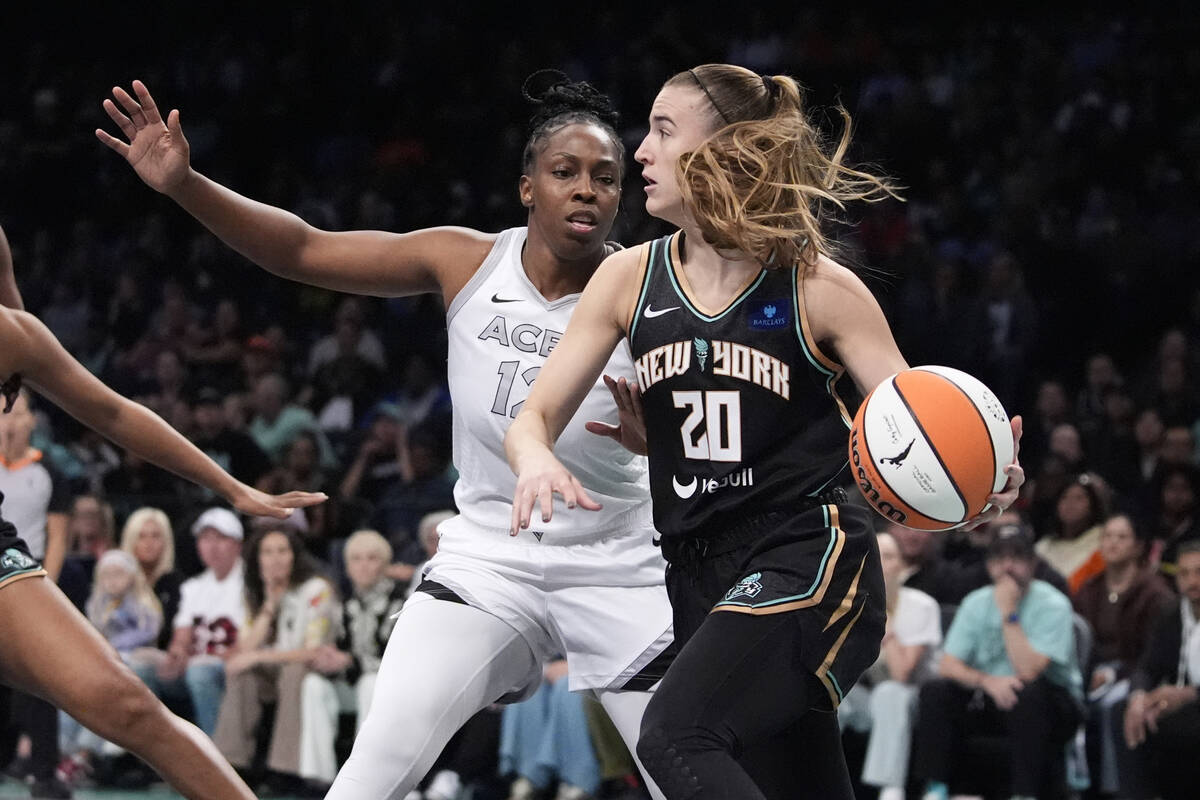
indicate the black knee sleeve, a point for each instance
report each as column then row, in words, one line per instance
column 667, row 764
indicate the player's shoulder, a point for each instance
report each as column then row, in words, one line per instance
column 454, row 243
column 625, row 263
column 829, row 281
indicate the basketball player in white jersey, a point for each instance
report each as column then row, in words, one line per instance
column 491, row 609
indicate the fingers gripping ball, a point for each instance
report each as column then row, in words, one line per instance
column 928, row 446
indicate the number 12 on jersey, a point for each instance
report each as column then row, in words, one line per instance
column 714, row 413
column 508, row 375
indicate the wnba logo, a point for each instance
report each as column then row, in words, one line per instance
column 868, row 489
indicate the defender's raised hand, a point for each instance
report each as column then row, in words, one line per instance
column 157, row 151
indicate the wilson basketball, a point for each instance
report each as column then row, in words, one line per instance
column 928, row 446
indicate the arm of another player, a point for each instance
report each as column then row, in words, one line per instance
column 359, row 262
column 843, row 312
column 10, row 296
column 596, row 326
column 53, row 372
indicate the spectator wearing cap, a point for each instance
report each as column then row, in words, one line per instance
column 1009, row 667
column 277, row 423
column 212, row 609
column 236, row 452
column 1162, row 719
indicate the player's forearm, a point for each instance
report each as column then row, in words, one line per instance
column 527, row 436
column 10, row 296
column 144, row 433
column 270, row 237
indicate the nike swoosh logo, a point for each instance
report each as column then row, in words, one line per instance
column 496, row 298
column 650, row 313
column 684, row 491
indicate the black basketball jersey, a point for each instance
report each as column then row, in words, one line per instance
column 744, row 413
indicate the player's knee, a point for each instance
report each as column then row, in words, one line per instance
column 666, row 763
column 128, row 708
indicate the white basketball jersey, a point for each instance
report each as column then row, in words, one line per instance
column 501, row 330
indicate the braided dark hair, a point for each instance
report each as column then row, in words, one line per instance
column 565, row 102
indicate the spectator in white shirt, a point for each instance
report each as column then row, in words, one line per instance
column 211, row 612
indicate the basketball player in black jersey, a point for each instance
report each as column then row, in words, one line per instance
column 752, row 346
column 48, row 648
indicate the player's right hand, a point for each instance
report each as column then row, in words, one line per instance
column 157, row 151
column 537, row 482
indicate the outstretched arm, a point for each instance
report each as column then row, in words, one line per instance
column 360, row 262
column 45, row 365
column 570, row 372
column 10, row 296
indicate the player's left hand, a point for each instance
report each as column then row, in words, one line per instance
column 630, row 430
column 255, row 503
column 1000, row 501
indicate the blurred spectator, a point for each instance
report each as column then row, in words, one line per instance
column 1112, row 444
column 1009, row 668
column 205, row 629
column 545, row 738
column 277, row 422
column 349, row 336
column 1162, row 719
column 294, row 611
column 90, row 534
column 1100, row 379
column 1051, row 409
column 301, row 470
column 215, row 352
column 1121, row 605
column 236, row 452
column 147, row 536
column 884, row 699
column 36, row 498
column 377, row 461
column 260, row 357
column 343, row 675
column 1072, row 541
column 1148, row 432
column 1177, row 512
column 125, row 611
column 423, row 487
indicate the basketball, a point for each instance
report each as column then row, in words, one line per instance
column 928, row 446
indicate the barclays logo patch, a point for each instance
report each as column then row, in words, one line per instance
column 768, row 315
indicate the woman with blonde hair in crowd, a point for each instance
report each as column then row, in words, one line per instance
column 148, row 537
column 343, row 674
column 128, row 615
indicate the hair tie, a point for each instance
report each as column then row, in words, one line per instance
column 704, row 89
column 771, row 86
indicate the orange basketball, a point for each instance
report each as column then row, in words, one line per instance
column 928, row 446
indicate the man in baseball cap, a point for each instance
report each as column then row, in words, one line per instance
column 211, row 611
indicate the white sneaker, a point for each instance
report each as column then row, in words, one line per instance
column 445, row 786
column 521, row 789
column 891, row 793
column 568, row 792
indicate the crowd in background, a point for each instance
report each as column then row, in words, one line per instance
column 1048, row 244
